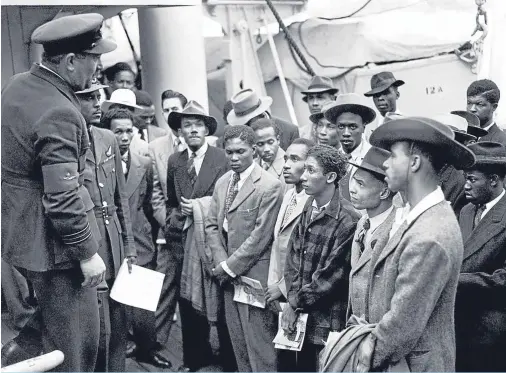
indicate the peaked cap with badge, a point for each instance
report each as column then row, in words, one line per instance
column 192, row 109
column 319, row 84
column 78, row 33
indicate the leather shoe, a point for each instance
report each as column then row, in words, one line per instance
column 131, row 349
column 12, row 353
column 157, row 359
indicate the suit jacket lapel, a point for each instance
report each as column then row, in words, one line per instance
column 247, row 188
column 135, row 174
column 99, row 146
column 206, row 176
column 296, row 213
column 486, row 228
column 392, row 243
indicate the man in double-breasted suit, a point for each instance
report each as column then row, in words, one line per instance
column 413, row 279
column 48, row 229
column 191, row 174
column 369, row 192
column 239, row 231
column 480, row 311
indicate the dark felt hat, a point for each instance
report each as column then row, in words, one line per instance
column 489, row 153
column 473, row 123
column 348, row 103
column 382, row 81
column 373, row 160
column 192, row 109
column 319, row 84
column 78, row 33
column 425, row 131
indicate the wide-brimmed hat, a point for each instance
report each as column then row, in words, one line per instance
column 382, row 81
column 425, row 131
column 319, row 84
column 458, row 124
column 489, row 153
column 462, row 136
column 473, row 123
column 95, row 86
column 373, row 160
column 123, row 97
column 78, row 33
column 349, row 103
column 247, row 105
column 192, row 109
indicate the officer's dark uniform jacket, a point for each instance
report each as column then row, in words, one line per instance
column 105, row 182
column 47, row 218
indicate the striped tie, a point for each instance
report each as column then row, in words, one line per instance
column 232, row 191
column 289, row 210
column 191, row 168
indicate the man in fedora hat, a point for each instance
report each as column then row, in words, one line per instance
column 248, row 107
column 191, row 175
column 384, row 92
column 350, row 116
column 482, row 100
column 480, row 311
column 369, row 191
column 413, row 278
column 49, row 230
column 320, row 91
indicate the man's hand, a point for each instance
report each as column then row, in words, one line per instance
column 93, row 270
column 272, row 293
column 220, row 274
column 289, row 319
column 186, row 206
column 130, row 261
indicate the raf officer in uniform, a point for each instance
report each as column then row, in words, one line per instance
column 49, row 230
column 104, row 180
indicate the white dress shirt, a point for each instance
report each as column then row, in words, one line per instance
column 491, row 204
column 199, row 156
column 489, row 126
column 243, row 176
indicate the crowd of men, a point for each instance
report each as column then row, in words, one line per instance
column 394, row 237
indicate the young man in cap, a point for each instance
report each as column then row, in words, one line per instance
column 480, row 311
column 414, row 277
column 248, row 107
column 384, row 92
column 48, row 227
column 482, row 100
column 318, row 261
column 270, row 156
column 350, row 116
column 191, row 176
column 369, row 191
column 288, row 218
column 239, row 230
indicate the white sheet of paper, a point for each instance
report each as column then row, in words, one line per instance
column 249, row 291
column 140, row 289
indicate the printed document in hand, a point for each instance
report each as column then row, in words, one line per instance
column 249, row 291
column 291, row 341
column 140, row 289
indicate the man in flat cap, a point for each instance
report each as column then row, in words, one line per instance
column 384, row 92
column 414, row 277
column 480, row 309
column 49, row 229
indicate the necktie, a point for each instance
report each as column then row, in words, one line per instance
column 361, row 235
column 265, row 165
column 289, row 210
column 477, row 215
column 191, row 168
column 232, row 191
column 124, row 163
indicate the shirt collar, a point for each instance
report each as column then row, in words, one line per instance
column 54, row 72
column 376, row 221
column 314, row 204
column 199, row 153
column 492, row 203
column 360, row 151
column 426, row 203
column 247, row 172
column 489, row 126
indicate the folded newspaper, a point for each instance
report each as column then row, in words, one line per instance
column 249, row 291
column 291, row 341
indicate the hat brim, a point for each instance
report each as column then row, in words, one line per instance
column 477, row 131
column 406, row 129
column 367, row 114
column 384, row 87
column 369, row 167
column 332, row 91
column 93, row 88
column 107, row 104
column 315, row 118
column 473, row 122
column 463, row 136
column 174, row 121
column 102, row 46
column 233, row 119
column 487, row 161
